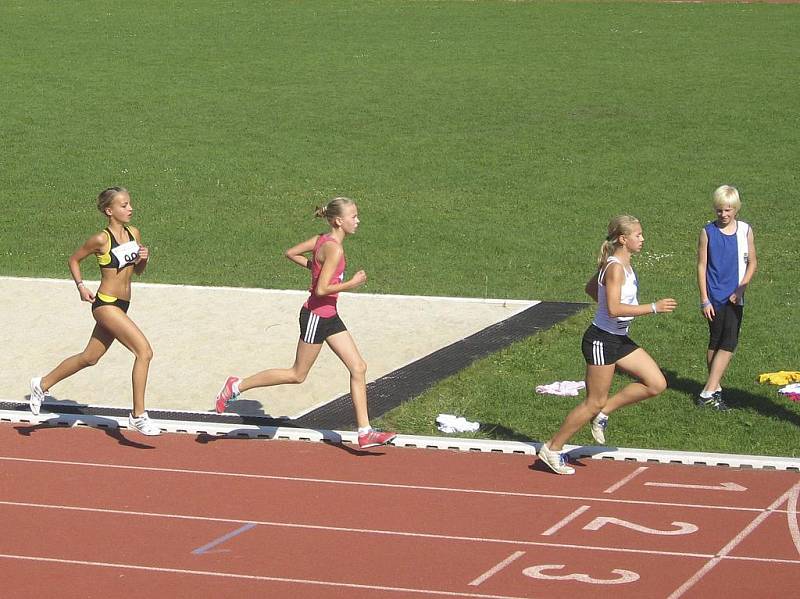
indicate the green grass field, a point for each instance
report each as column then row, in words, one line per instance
column 488, row 144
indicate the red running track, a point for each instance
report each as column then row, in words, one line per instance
column 107, row 513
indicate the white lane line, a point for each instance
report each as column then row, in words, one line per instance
column 390, row 533
column 376, row 485
column 492, row 571
column 708, row 566
column 626, row 480
column 326, row 583
column 559, row 525
column 720, row 487
column 218, row 541
column 791, row 514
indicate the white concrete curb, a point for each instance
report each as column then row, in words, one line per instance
column 415, row 441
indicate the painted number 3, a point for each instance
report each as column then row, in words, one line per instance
column 623, row 576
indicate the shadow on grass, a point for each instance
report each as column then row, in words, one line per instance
column 503, row 433
column 735, row 398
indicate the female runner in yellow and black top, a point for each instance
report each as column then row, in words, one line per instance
column 119, row 254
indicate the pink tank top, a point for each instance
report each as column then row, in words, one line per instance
column 323, row 305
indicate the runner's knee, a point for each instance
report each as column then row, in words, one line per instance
column 145, row 353
column 656, row 385
column 87, row 360
column 596, row 404
column 296, row 377
column 358, row 369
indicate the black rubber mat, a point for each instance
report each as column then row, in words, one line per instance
column 385, row 393
column 411, row 380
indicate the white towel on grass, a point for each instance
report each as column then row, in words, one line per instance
column 449, row 423
column 561, row 388
column 793, row 388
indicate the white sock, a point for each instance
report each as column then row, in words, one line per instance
column 364, row 429
column 706, row 394
column 235, row 387
column 601, row 416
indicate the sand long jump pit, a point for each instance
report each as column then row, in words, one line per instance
column 200, row 335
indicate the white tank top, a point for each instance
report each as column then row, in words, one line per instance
column 616, row 325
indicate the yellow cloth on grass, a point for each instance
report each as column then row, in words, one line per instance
column 782, row 377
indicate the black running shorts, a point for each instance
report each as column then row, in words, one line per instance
column 601, row 348
column 724, row 327
column 315, row 329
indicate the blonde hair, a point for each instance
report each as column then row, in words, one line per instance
column 619, row 225
column 726, row 195
column 107, row 196
column 333, row 209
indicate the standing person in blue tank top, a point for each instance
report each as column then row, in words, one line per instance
column 120, row 253
column 726, row 262
column 606, row 345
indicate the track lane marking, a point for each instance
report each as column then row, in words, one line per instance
column 497, row 568
column 791, row 514
column 218, row 541
column 390, row 533
column 307, row 581
column 566, row 520
column 626, row 480
column 376, row 485
column 733, row 543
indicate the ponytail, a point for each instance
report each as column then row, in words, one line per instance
column 332, row 209
column 619, row 225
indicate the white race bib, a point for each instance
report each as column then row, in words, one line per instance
column 127, row 253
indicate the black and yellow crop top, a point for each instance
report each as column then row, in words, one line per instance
column 119, row 256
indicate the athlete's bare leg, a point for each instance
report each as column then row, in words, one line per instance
column 119, row 324
column 99, row 343
column 304, row 359
column 345, row 348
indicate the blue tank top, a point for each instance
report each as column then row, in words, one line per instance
column 726, row 262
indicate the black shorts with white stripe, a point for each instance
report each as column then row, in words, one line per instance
column 315, row 329
column 601, row 347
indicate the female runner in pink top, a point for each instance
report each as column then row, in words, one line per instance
column 319, row 320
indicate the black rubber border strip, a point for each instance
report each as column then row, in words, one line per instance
column 385, row 393
column 389, row 391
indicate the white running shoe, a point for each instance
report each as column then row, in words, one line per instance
column 599, row 424
column 143, row 424
column 37, row 395
column 555, row 460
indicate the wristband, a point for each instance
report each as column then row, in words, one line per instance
column 79, row 284
column 705, row 304
column 653, row 308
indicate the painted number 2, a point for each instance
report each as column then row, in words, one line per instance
column 683, row 528
column 623, row 576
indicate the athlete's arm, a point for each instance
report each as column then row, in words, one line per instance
column 591, row 286
column 94, row 245
column 331, row 254
column 296, row 253
column 144, row 253
column 702, row 269
column 752, row 264
column 614, row 278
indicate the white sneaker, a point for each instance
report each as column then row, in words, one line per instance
column 37, row 395
column 555, row 460
column 143, row 424
column 599, row 424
